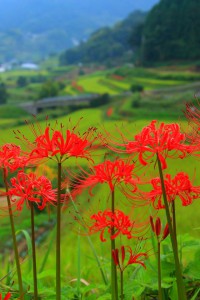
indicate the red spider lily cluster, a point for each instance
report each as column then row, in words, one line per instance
column 155, row 144
column 179, row 186
column 108, row 220
column 163, row 140
column 77, row 87
column 29, row 188
column 117, row 77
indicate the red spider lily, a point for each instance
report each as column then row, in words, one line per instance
column 112, row 173
column 58, row 144
column 158, row 140
column 153, row 140
column 63, row 147
column 27, row 187
column 11, row 158
column 107, row 220
column 134, row 258
column 179, row 186
column 7, row 296
column 157, row 227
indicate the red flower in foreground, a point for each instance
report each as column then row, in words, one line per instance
column 62, row 147
column 27, row 187
column 7, row 296
column 179, row 186
column 58, row 144
column 11, row 158
column 157, row 227
column 107, row 220
column 134, row 258
column 158, row 140
column 111, row 173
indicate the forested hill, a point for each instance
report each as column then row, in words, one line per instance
column 171, row 32
column 106, row 45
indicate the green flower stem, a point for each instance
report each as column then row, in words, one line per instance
column 114, row 287
column 18, row 267
column 58, row 284
column 122, row 284
column 174, row 222
column 33, row 253
column 159, row 274
column 180, row 284
column 90, row 242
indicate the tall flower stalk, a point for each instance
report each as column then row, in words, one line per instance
column 156, row 228
column 17, row 262
column 180, row 284
column 34, row 253
column 114, row 286
column 58, row 239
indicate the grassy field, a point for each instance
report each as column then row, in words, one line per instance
column 105, row 81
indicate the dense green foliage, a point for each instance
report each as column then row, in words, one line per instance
column 171, row 32
column 101, row 100
column 22, row 81
column 105, row 45
column 49, row 89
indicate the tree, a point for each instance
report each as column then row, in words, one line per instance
column 49, row 89
column 171, row 32
column 3, row 93
column 101, row 100
column 22, row 81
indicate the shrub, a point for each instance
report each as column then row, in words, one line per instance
column 136, row 88
column 101, row 100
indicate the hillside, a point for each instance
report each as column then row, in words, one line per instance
column 171, row 32
column 106, row 45
column 32, row 29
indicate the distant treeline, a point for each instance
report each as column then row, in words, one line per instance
column 169, row 32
